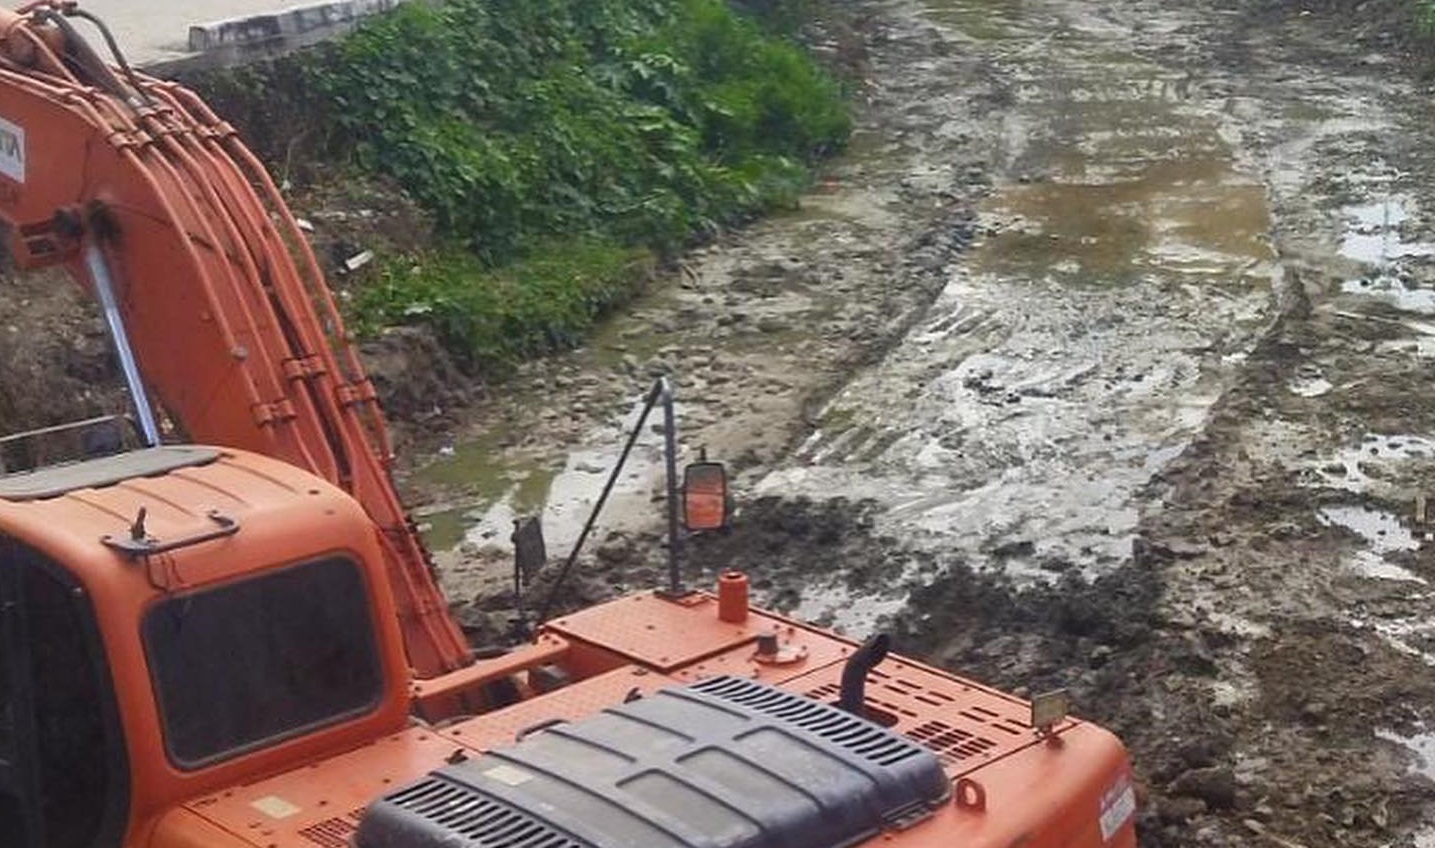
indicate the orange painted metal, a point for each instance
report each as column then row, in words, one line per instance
column 732, row 597
column 233, row 327
column 670, row 634
column 568, row 704
column 307, row 792
column 429, row 695
column 1037, row 792
column 325, row 797
column 322, row 802
column 285, row 516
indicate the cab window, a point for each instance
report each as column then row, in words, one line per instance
column 263, row 659
column 62, row 775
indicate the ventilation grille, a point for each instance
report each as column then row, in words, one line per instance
column 952, row 744
column 872, row 743
column 913, row 703
column 484, row 822
column 333, row 833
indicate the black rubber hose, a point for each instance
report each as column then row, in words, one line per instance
column 854, row 673
column 86, row 59
column 114, row 46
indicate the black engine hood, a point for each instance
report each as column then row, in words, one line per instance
column 724, row 763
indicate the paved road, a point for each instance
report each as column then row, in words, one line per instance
column 150, row 31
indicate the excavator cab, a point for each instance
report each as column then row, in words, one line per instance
column 170, row 619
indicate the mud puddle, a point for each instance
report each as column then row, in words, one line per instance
column 1123, row 273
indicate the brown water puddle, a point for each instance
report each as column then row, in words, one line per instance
column 1124, row 273
column 1194, row 215
column 1130, row 182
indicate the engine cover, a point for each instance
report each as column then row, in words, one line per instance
column 724, row 763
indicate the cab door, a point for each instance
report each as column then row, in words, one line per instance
column 62, row 772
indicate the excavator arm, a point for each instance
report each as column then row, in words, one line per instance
column 217, row 305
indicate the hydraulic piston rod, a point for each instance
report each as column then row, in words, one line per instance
column 114, row 322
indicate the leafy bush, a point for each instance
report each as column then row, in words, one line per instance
column 493, row 317
column 1425, row 15
column 616, row 124
column 640, row 121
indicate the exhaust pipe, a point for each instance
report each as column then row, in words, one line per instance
column 854, row 673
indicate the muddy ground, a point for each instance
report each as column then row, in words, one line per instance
column 1099, row 361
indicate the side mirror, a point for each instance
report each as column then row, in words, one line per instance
column 705, row 498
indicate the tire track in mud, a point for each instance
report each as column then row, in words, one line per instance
column 756, row 330
column 1308, row 578
column 1080, row 345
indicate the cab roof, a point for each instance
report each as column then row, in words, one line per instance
column 56, row 480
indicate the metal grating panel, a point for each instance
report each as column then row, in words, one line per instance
column 483, row 821
column 912, row 704
column 950, row 743
column 848, row 731
column 333, row 833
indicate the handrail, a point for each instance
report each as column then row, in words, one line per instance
column 137, row 544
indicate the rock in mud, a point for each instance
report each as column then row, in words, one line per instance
column 1215, row 786
column 1179, row 810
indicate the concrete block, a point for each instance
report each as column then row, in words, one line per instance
column 299, row 20
column 234, row 31
column 304, row 23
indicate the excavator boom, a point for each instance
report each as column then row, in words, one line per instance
column 155, row 205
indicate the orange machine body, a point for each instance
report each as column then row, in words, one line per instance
column 230, row 320
column 1012, row 784
column 284, row 516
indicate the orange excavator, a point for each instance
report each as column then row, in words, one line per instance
column 221, row 631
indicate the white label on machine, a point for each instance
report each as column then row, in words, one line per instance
column 275, row 807
column 508, row 775
column 1118, row 805
column 12, row 150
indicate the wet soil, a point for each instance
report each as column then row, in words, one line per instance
column 1098, row 362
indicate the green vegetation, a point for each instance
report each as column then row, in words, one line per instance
column 1425, row 14
column 554, row 141
column 492, row 316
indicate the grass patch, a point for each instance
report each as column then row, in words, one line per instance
column 635, row 121
column 551, row 142
column 492, row 317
